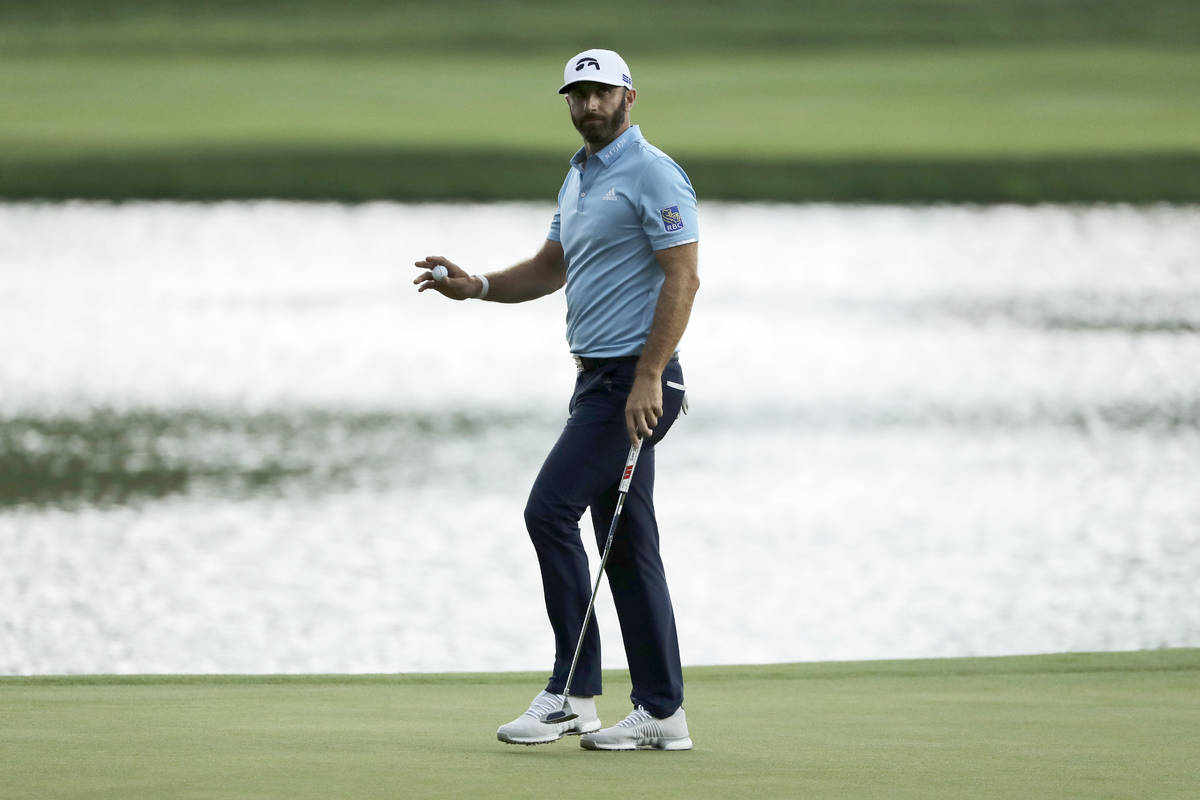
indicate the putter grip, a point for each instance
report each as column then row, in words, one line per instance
column 630, row 463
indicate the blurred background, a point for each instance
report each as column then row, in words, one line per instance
column 942, row 368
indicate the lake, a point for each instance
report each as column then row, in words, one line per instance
column 236, row 440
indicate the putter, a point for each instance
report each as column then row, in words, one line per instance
column 566, row 714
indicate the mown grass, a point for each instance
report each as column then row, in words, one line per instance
column 945, row 99
column 1083, row 725
column 953, row 104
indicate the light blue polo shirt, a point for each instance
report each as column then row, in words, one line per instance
column 614, row 210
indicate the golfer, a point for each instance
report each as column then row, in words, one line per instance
column 623, row 241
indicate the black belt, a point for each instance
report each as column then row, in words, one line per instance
column 585, row 364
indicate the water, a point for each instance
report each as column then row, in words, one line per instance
column 234, row 439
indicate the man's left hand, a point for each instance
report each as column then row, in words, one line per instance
column 644, row 407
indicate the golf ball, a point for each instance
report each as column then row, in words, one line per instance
column 439, row 273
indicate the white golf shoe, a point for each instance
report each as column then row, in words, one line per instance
column 641, row 731
column 529, row 728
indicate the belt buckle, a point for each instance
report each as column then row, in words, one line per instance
column 578, row 362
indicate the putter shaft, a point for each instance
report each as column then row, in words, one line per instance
column 565, row 714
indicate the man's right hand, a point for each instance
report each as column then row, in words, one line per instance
column 457, row 285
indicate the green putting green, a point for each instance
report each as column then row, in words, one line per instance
column 1059, row 726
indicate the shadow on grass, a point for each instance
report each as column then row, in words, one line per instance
column 358, row 175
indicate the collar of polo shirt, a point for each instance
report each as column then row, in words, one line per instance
column 614, row 148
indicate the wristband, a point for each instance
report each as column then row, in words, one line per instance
column 483, row 293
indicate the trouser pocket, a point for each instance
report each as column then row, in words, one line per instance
column 683, row 390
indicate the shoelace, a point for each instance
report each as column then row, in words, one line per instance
column 636, row 717
column 543, row 704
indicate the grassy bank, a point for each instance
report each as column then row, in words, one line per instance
column 1084, row 725
column 869, row 100
column 364, row 174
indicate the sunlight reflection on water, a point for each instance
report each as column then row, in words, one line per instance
column 237, row 441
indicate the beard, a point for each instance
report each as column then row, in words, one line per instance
column 596, row 129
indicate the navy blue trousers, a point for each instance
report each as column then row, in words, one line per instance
column 583, row 470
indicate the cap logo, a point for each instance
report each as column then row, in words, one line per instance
column 587, row 62
column 627, row 79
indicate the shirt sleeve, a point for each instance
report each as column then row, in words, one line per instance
column 667, row 205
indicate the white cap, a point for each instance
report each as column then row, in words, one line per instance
column 601, row 66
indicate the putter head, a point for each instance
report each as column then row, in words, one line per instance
column 564, row 714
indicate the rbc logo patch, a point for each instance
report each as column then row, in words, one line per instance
column 672, row 219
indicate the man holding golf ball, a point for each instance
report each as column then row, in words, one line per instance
column 623, row 241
